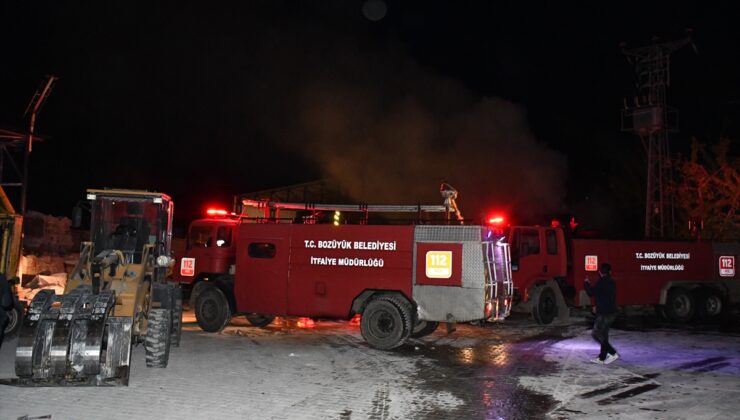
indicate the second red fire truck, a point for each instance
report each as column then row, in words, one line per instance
column 404, row 279
column 682, row 280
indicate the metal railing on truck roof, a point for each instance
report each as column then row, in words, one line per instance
column 271, row 211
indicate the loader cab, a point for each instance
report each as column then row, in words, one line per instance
column 130, row 220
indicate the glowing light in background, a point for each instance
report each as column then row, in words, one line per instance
column 337, row 218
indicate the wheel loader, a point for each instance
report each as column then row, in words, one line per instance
column 116, row 297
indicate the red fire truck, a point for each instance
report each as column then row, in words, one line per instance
column 683, row 280
column 403, row 278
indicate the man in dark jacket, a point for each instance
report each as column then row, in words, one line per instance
column 605, row 292
column 6, row 304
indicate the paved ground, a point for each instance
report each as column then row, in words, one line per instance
column 514, row 370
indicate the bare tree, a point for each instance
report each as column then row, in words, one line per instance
column 707, row 190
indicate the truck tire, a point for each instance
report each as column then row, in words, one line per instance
column 212, row 310
column 15, row 319
column 176, row 316
column 195, row 291
column 680, row 305
column 424, row 328
column 386, row 322
column 258, row 320
column 710, row 305
column 544, row 305
column 157, row 342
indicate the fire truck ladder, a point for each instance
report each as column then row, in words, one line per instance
column 498, row 265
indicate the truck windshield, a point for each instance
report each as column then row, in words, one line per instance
column 128, row 224
column 200, row 237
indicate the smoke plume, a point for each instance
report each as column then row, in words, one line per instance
column 387, row 130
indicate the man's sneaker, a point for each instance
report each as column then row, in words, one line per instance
column 611, row 358
column 597, row 361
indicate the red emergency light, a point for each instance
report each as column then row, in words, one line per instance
column 496, row 220
column 217, row 212
column 496, row 225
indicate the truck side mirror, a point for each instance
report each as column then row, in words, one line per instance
column 76, row 217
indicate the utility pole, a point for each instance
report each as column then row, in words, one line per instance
column 32, row 110
column 652, row 120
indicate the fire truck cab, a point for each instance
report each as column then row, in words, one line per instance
column 211, row 243
column 403, row 278
column 682, row 280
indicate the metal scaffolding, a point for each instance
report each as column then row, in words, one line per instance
column 652, row 120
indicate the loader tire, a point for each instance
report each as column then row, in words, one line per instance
column 680, row 305
column 258, row 320
column 15, row 320
column 544, row 305
column 176, row 316
column 386, row 322
column 157, row 342
column 424, row 328
column 212, row 310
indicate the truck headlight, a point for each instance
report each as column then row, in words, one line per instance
column 164, row 261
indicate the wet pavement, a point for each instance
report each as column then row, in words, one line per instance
column 510, row 370
column 484, row 374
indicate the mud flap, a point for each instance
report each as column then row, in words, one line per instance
column 563, row 309
column 163, row 295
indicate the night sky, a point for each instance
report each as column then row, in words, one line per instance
column 516, row 104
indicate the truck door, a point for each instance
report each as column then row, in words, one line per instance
column 554, row 257
column 198, row 255
column 262, row 269
column 527, row 263
column 223, row 250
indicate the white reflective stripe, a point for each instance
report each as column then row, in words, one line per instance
column 23, row 353
column 58, row 353
column 91, row 353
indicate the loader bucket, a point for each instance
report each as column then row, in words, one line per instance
column 71, row 340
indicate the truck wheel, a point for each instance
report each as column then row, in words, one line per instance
column 710, row 305
column 545, row 306
column 157, row 342
column 176, row 316
column 212, row 309
column 386, row 322
column 15, row 319
column 680, row 305
column 260, row 320
column 424, row 328
column 195, row 291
